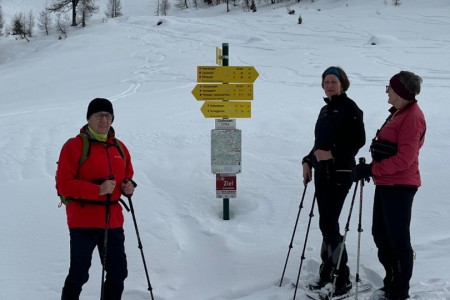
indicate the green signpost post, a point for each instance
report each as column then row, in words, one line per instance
column 219, row 87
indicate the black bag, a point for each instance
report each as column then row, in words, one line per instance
column 382, row 149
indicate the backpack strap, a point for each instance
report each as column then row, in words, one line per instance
column 86, row 148
column 83, row 157
column 120, row 148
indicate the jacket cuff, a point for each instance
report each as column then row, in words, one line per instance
column 307, row 160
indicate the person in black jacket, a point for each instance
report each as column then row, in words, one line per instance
column 339, row 134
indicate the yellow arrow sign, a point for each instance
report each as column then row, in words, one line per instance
column 231, row 91
column 236, row 74
column 217, row 109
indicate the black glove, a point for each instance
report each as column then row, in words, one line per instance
column 362, row 171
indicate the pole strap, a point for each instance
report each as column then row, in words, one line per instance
column 102, row 203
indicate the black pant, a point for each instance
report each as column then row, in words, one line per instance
column 390, row 229
column 82, row 244
column 331, row 190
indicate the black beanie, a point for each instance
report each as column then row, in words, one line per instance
column 99, row 104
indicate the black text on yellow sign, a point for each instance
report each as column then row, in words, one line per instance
column 235, row 109
column 227, row 74
column 231, row 91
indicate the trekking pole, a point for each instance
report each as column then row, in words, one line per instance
column 357, row 279
column 311, row 214
column 150, row 289
column 293, row 233
column 341, row 251
column 105, row 245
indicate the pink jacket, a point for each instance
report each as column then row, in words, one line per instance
column 407, row 129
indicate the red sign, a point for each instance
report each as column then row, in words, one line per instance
column 226, row 186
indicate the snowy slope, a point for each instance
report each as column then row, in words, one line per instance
column 149, row 71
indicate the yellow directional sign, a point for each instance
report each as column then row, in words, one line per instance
column 231, row 91
column 236, row 74
column 217, row 109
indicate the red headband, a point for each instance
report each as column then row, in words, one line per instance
column 400, row 89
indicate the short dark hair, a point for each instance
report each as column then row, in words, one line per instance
column 340, row 74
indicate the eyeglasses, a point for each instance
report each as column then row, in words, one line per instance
column 387, row 88
column 100, row 116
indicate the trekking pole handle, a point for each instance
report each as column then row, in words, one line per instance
column 133, row 182
column 362, row 160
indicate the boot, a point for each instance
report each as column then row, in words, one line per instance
column 342, row 287
column 70, row 292
column 317, row 283
column 113, row 290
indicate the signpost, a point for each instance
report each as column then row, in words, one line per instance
column 225, row 124
column 226, row 74
column 226, row 151
column 226, row 186
column 215, row 109
column 231, row 91
column 220, row 87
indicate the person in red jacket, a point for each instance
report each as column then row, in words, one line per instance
column 94, row 187
column 395, row 172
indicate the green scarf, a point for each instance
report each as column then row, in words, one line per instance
column 98, row 136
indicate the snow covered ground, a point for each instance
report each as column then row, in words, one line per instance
column 149, row 71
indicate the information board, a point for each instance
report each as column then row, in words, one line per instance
column 225, row 151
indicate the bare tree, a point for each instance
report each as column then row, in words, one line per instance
column 86, row 8
column 61, row 27
column 44, row 21
column 396, row 2
column 165, row 5
column 62, row 6
column 182, row 4
column 113, row 9
column 246, row 5
column 158, row 8
column 2, row 21
column 30, row 24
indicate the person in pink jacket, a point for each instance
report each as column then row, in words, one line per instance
column 395, row 172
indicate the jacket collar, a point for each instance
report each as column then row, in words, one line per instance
column 394, row 110
column 111, row 133
column 336, row 99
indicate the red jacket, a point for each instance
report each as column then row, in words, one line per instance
column 407, row 129
column 79, row 181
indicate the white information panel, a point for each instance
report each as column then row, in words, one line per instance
column 226, row 151
column 225, row 123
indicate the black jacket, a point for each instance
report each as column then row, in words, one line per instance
column 339, row 128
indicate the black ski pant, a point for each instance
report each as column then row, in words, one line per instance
column 391, row 233
column 82, row 244
column 331, row 190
